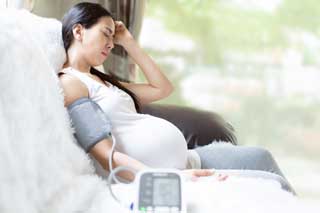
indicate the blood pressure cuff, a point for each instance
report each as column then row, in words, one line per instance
column 89, row 121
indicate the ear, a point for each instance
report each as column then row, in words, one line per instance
column 78, row 32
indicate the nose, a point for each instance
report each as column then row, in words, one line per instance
column 110, row 45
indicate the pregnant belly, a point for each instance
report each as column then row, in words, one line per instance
column 153, row 141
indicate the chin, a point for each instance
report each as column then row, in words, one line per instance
column 99, row 67
column 97, row 63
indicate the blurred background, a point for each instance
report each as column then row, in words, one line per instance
column 255, row 62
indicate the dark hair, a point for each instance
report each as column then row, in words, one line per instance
column 88, row 14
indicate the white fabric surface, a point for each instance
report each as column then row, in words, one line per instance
column 41, row 167
column 236, row 194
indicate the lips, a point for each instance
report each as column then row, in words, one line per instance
column 105, row 53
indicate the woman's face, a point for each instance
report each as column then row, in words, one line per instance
column 97, row 41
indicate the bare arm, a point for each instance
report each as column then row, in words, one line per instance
column 74, row 89
column 158, row 85
column 101, row 152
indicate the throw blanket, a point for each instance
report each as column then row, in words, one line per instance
column 42, row 169
column 236, row 194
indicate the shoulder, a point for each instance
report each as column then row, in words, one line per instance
column 73, row 88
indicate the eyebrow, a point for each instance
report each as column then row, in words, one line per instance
column 109, row 29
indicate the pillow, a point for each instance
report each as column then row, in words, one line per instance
column 47, row 33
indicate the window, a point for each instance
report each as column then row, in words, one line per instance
column 255, row 62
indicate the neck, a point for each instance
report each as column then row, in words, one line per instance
column 75, row 60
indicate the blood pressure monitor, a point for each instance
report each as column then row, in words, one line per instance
column 159, row 191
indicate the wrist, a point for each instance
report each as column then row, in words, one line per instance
column 129, row 43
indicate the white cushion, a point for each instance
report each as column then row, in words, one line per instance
column 42, row 169
column 46, row 32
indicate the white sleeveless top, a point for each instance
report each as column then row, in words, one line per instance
column 153, row 141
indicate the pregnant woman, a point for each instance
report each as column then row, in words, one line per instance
column 89, row 34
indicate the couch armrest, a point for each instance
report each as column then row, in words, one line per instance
column 199, row 127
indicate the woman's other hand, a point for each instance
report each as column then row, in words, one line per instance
column 194, row 174
column 122, row 35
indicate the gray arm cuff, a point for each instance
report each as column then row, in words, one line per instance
column 89, row 121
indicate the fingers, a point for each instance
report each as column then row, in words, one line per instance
column 202, row 172
column 119, row 25
column 222, row 177
column 118, row 22
column 197, row 173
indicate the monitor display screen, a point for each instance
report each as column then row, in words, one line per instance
column 166, row 192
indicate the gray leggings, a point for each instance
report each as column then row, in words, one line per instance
column 242, row 160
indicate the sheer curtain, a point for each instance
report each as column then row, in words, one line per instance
column 130, row 12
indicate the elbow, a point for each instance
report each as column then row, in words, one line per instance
column 101, row 152
column 168, row 91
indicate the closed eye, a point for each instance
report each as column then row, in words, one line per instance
column 106, row 34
